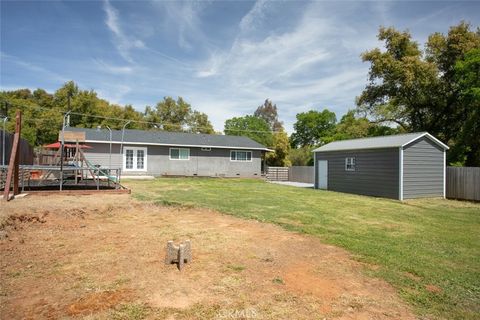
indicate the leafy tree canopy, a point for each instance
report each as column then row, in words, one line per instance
column 281, row 149
column 302, row 156
column 311, row 127
column 353, row 127
column 250, row 126
column 423, row 91
column 43, row 113
column 177, row 115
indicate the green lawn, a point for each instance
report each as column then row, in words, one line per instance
column 428, row 249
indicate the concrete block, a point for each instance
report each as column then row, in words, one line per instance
column 180, row 254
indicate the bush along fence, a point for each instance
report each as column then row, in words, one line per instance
column 463, row 183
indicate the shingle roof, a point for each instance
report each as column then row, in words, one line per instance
column 394, row 141
column 170, row 138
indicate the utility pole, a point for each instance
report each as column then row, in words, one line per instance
column 62, row 146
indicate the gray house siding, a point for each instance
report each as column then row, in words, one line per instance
column 201, row 163
column 423, row 169
column 376, row 174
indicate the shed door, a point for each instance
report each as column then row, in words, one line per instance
column 322, row 179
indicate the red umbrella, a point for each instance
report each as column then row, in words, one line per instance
column 57, row 145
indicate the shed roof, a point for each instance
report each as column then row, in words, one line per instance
column 169, row 138
column 394, row 141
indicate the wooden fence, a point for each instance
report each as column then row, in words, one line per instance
column 278, row 173
column 463, row 183
column 303, row 174
column 297, row 173
column 26, row 151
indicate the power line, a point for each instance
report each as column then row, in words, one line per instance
column 156, row 124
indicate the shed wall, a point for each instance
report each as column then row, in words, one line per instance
column 376, row 174
column 423, row 169
column 201, row 163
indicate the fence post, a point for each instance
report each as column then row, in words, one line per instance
column 13, row 165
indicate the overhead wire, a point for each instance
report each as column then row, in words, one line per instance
column 156, row 124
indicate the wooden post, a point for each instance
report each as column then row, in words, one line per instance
column 13, row 165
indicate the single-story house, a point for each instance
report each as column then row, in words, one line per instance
column 400, row 167
column 161, row 153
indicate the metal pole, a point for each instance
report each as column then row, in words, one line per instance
column 110, row 155
column 3, row 138
column 62, row 148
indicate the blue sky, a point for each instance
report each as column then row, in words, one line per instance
column 223, row 57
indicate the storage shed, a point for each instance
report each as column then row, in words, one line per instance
column 400, row 167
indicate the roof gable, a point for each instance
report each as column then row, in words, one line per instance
column 394, row 141
column 169, row 138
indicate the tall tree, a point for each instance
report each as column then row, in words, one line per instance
column 311, row 127
column 416, row 90
column 268, row 112
column 178, row 115
column 198, row 123
column 171, row 115
column 467, row 73
column 250, row 126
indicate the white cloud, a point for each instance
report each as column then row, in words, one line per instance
column 36, row 69
column 123, row 42
column 113, row 69
column 298, row 69
column 183, row 18
column 255, row 14
column 114, row 93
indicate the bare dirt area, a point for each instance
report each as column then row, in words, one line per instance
column 102, row 257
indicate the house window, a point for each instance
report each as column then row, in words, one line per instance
column 350, row 164
column 134, row 159
column 206, row 149
column 179, row 154
column 237, row 155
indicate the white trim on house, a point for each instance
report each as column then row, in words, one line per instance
column 352, row 164
column 247, row 151
column 440, row 143
column 400, row 175
column 179, row 159
column 179, row 145
column 444, row 173
column 135, row 158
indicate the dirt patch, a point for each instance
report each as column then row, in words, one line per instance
column 97, row 301
column 300, row 278
column 96, row 257
column 413, row 277
column 433, row 288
